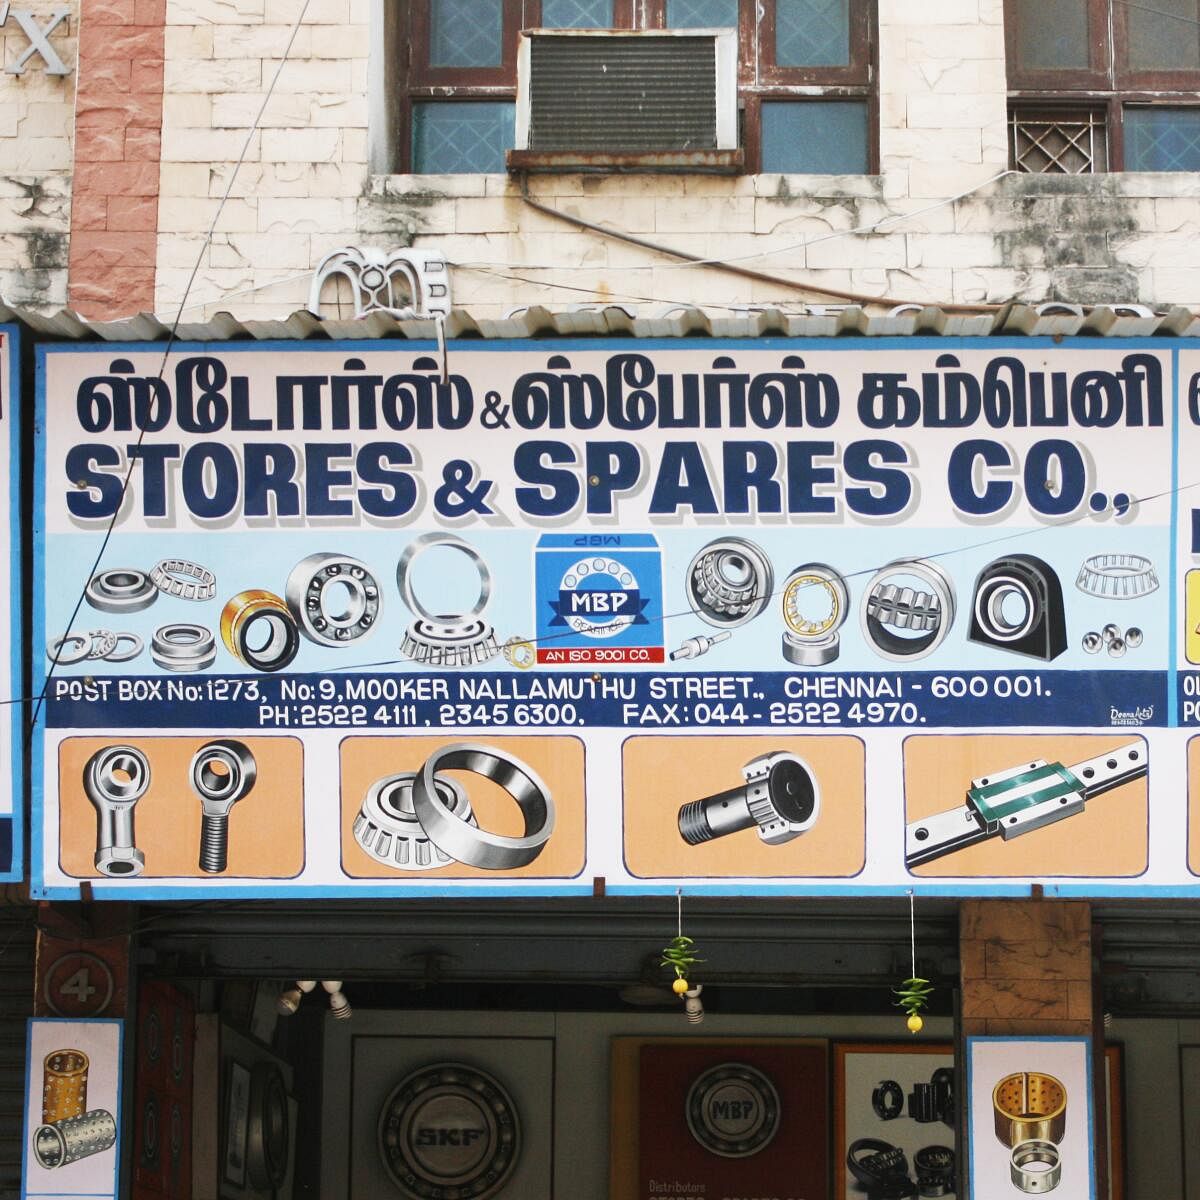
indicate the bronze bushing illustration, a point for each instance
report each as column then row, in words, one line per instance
column 1030, row 1106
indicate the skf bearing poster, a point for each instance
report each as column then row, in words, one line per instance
column 772, row 616
column 11, row 772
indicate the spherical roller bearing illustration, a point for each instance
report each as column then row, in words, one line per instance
column 468, row 843
column 729, row 582
column 813, row 640
column 926, row 615
column 308, row 598
column 387, row 827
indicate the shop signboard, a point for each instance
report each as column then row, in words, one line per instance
column 765, row 616
column 11, row 773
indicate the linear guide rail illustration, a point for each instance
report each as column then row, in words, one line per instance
column 1021, row 799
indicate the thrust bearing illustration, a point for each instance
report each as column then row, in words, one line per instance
column 780, row 798
column 1021, row 799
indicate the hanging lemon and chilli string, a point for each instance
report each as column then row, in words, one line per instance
column 914, row 992
column 678, row 952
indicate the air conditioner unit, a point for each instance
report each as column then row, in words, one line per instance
column 612, row 100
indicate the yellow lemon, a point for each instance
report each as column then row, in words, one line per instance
column 679, row 986
column 915, row 1024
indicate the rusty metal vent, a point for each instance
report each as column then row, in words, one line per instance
column 621, row 94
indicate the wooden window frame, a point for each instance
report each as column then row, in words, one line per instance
column 1114, row 87
column 760, row 78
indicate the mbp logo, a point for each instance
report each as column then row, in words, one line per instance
column 733, row 1110
column 599, row 597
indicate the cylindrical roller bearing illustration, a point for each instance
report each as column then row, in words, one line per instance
column 729, row 582
column 67, row 1141
column 1018, row 607
column 888, row 606
column 780, row 798
column 733, row 1110
column 310, row 591
column 1042, row 1178
column 64, row 1085
column 182, row 646
column 258, row 629
column 1029, row 1106
column 423, row 1164
column 221, row 773
column 815, row 605
column 446, row 639
column 468, row 843
column 120, row 590
column 183, row 579
column 387, row 827
column 115, row 778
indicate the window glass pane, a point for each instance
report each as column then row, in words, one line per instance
column 812, row 33
column 819, row 137
column 577, row 14
column 465, row 33
column 466, row 137
column 1051, row 34
column 702, row 14
column 1166, row 39
column 1162, row 139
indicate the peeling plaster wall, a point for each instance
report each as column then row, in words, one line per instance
column 307, row 187
column 36, row 119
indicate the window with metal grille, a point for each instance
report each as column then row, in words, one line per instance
column 804, row 78
column 1100, row 85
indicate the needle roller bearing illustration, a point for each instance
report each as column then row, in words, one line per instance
column 416, row 821
column 222, row 773
column 815, row 605
column 1030, row 1110
column 780, row 799
column 1018, row 607
column 115, row 778
column 729, row 582
column 1117, row 577
column 1018, row 800
column 460, row 639
column 334, row 599
column 902, row 622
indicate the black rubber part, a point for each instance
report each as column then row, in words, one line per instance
column 888, row 1100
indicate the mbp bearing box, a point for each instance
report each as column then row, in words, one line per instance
column 598, row 598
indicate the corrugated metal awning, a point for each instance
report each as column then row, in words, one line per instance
column 1044, row 320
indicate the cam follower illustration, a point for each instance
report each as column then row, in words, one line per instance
column 222, row 773
column 780, row 798
column 1021, row 799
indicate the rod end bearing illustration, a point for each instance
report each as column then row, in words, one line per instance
column 115, row 778
column 780, row 798
column 222, row 773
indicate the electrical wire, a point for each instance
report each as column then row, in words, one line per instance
column 171, row 338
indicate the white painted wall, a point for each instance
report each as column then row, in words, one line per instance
column 308, row 187
column 36, row 138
